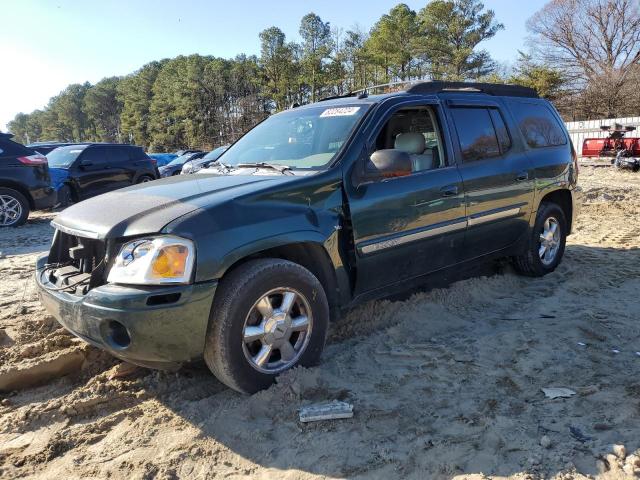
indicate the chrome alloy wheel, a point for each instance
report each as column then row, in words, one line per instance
column 10, row 210
column 549, row 241
column 277, row 330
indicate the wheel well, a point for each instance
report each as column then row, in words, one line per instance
column 75, row 196
column 21, row 189
column 563, row 199
column 311, row 256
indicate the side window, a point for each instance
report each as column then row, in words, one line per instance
column 119, row 155
column 477, row 136
column 501, row 129
column 414, row 130
column 538, row 125
column 95, row 155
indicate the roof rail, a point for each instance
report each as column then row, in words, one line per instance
column 499, row 89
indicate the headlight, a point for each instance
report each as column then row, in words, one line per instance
column 154, row 261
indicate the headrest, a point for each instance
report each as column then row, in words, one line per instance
column 412, row 143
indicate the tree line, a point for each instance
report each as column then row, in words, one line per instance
column 585, row 57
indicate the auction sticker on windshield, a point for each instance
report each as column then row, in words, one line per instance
column 339, row 112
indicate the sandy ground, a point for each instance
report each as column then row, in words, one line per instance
column 445, row 384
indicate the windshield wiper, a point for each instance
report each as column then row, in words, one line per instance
column 283, row 169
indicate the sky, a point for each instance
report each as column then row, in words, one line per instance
column 47, row 44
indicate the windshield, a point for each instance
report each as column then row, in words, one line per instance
column 215, row 153
column 299, row 138
column 63, row 157
column 181, row 159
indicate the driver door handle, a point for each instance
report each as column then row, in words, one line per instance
column 522, row 176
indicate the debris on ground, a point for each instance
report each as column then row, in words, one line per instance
column 557, row 392
column 326, row 411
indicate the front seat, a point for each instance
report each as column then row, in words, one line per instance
column 413, row 143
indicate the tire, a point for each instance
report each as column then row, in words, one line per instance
column 534, row 262
column 228, row 353
column 64, row 197
column 144, row 179
column 14, row 208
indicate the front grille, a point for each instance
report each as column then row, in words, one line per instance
column 76, row 264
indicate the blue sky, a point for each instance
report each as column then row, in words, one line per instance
column 47, row 44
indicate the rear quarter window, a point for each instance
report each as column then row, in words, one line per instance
column 538, row 125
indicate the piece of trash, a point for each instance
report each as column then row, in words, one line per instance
column 638, row 354
column 578, row 435
column 545, row 315
column 582, row 344
column 326, row 411
column 557, row 392
column 615, row 351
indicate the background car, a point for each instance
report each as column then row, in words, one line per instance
column 84, row 170
column 193, row 165
column 25, row 184
column 162, row 159
column 179, row 153
column 45, row 147
column 174, row 167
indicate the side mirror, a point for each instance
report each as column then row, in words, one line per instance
column 389, row 163
column 85, row 163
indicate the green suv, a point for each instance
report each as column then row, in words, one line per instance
column 312, row 211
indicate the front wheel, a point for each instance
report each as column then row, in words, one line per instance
column 546, row 245
column 268, row 316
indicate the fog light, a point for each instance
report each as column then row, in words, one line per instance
column 116, row 334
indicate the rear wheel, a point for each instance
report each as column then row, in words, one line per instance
column 14, row 208
column 268, row 316
column 547, row 243
column 144, row 179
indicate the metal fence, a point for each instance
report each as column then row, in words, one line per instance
column 578, row 131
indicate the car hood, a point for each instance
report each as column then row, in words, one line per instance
column 148, row 207
column 58, row 176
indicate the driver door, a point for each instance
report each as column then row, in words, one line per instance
column 407, row 226
column 92, row 171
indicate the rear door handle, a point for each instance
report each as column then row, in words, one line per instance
column 449, row 191
column 522, row 176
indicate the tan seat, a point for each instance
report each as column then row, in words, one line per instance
column 413, row 143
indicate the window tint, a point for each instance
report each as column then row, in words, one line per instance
column 477, row 136
column 538, row 125
column 501, row 130
column 118, row 154
column 414, row 130
column 95, row 155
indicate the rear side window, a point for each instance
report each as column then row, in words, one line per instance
column 119, row 155
column 95, row 155
column 477, row 136
column 538, row 125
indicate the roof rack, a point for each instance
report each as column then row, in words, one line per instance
column 499, row 89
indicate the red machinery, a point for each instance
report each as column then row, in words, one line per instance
column 610, row 146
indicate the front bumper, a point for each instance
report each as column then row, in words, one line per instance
column 43, row 198
column 131, row 322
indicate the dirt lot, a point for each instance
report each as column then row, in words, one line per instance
column 445, row 384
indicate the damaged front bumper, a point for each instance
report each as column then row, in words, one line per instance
column 153, row 326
